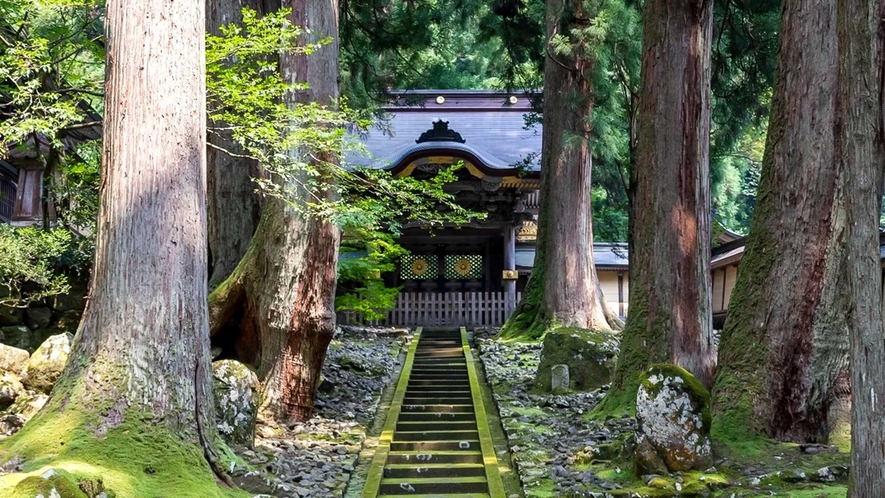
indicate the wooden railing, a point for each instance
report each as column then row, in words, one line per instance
column 469, row 309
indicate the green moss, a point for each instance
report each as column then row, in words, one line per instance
column 743, row 350
column 590, row 357
column 523, row 324
column 138, row 458
column 642, row 345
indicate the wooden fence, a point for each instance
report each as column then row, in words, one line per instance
column 469, row 309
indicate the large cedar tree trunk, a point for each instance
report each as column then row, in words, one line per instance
column 861, row 154
column 285, row 285
column 563, row 289
column 233, row 205
column 783, row 356
column 138, row 380
column 670, row 318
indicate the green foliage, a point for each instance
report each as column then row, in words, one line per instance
column 304, row 147
column 364, row 256
column 50, row 64
column 35, row 264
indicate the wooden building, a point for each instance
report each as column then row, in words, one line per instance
column 472, row 274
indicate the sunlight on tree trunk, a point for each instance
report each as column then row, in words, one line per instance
column 783, row 355
column 136, row 395
column 670, row 318
column 563, row 289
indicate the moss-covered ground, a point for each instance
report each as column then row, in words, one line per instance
column 744, row 466
column 135, row 459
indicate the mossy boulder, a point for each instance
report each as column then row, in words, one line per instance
column 236, row 401
column 590, row 357
column 673, row 422
column 46, row 364
column 13, row 359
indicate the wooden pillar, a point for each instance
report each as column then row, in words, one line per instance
column 510, row 262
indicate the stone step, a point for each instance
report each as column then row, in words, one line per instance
column 443, row 457
column 439, row 382
column 420, row 470
column 446, row 485
column 430, row 435
column 436, row 425
column 450, row 416
column 429, row 446
column 438, row 408
column 460, row 495
column 438, row 400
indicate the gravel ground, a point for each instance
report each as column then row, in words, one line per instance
column 315, row 459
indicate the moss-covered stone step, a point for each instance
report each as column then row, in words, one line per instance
column 439, row 382
column 421, row 470
column 426, row 400
column 438, row 388
column 430, row 446
column 425, row 417
column 443, row 457
column 444, row 485
column 438, row 408
column 437, row 495
column 436, row 425
column 429, row 435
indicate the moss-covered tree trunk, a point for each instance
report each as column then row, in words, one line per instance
column 783, row 354
column 232, row 203
column 284, row 288
column 861, row 157
column 134, row 403
column 670, row 319
column 563, row 289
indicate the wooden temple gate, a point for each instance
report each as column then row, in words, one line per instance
column 469, row 309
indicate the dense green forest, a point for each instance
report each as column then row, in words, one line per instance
column 204, row 292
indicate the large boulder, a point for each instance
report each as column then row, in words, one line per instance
column 13, row 359
column 236, row 401
column 673, row 422
column 46, row 364
column 590, row 357
column 26, row 405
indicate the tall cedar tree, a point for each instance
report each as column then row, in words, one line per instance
column 232, row 202
column 285, row 284
column 670, row 317
column 563, row 289
column 859, row 128
column 138, row 382
column 783, row 364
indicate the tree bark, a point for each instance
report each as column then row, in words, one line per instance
column 563, row 289
column 285, row 285
column 783, row 355
column 670, row 319
column 233, row 205
column 859, row 131
column 139, row 364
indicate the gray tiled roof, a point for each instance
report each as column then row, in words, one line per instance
column 496, row 137
column 605, row 255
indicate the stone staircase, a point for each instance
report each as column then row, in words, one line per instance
column 437, row 445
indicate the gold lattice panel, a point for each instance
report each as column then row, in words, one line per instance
column 418, row 267
column 463, row 266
